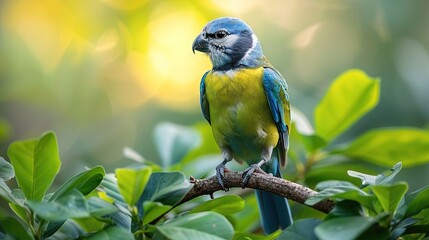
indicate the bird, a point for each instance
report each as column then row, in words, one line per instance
column 246, row 102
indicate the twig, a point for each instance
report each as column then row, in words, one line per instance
column 269, row 183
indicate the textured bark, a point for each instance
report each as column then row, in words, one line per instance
column 269, row 183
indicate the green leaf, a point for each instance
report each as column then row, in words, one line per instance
column 6, row 170
column 302, row 229
column 68, row 230
column 110, row 186
column 312, row 142
column 228, row 204
column 174, row 142
column 20, row 211
column 66, row 206
column 342, row 190
column 132, row 182
column 36, row 163
column 53, row 227
column 6, row 193
column 85, row 182
column 13, row 228
column 387, row 146
column 98, row 207
column 344, row 228
column 165, row 187
column 112, row 233
column 90, row 224
column 252, row 236
column 400, row 228
column 196, row 226
column 389, row 175
column 122, row 217
column 19, row 207
column 153, row 210
column 247, row 220
column 333, row 184
column 73, row 205
column 417, row 201
column 350, row 96
column 389, row 195
column 346, row 208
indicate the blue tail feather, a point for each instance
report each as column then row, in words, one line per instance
column 274, row 210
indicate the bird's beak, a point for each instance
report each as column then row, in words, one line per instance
column 200, row 44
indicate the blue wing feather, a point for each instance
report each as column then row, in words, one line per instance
column 274, row 210
column 204, row 103
column 278, row 100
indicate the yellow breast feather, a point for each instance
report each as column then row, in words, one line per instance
column 240, row 115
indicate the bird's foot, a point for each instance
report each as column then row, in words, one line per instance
column 248, row 173
column 220, row 175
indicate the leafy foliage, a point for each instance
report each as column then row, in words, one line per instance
column 125, row 205
column 351, row 95
column 386, row 146
column 380, row 214
column 132, row 182
column 36, row 162
column 141, row 201
column 195, row 226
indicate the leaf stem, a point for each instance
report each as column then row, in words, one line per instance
column 31, row 224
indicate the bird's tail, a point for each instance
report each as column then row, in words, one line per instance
column 274, row 210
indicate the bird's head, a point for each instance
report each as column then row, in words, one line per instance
column 230, row 43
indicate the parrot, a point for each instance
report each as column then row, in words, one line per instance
column 246, row 102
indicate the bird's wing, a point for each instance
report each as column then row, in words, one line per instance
column 204, row 103
column 278, row 100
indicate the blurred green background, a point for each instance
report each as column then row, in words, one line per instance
column 103, row 73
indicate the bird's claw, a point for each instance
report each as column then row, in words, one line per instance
column 220, row 175
column 248, row 173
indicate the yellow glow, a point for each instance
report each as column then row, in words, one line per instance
column 125, row 4
column 112, row 44
column 135, row 61
column 122, row 81
column 159, row 63
column 169, row 69
column 45, row 26
column 236, row 7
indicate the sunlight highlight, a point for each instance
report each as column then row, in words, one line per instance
column 169, row 60
column 47, row 28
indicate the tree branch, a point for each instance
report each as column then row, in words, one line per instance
column 269, row 183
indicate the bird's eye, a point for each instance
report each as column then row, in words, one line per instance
column 220, row 34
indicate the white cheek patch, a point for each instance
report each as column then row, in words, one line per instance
column 229, row 40
column 217, row 48
column 254, row 42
